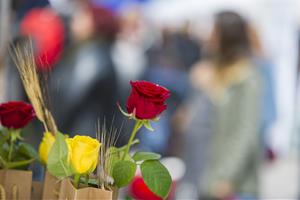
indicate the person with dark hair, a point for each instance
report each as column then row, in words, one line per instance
column 231, row 41
column 233, row 84
column 84, row 84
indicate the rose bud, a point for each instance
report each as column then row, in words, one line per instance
column 147, row 100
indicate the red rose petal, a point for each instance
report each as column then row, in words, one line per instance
column 16, row 114
column 148, row 99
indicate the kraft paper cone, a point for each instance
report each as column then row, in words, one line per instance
column 37, row 190
column 68, row 191
column 115, row 194
column 17, row 184
column 51, row 187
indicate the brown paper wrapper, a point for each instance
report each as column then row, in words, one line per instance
column 37, row 190
column 68, row 191
column 51, row 187
column 16, row 184
column 115, row 194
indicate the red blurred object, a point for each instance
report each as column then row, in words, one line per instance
column 139, row 190
column 106, row 22
column 46, row 29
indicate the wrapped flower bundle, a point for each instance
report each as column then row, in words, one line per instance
column 86, row 168
column 15, row 153
column 71, row 160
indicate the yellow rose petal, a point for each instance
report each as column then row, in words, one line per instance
column 84, row 154
column 45, row 146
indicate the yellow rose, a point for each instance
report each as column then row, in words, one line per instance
column 69, row 144
column 45, row 146
column 84, row 153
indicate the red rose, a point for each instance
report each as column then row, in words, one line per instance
column 16, row 114
column 148, row 99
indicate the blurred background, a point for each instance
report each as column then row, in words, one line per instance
column 232, row 67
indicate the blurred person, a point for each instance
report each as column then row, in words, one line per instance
column 21, row 7
column 84, row 85
column 188, row 47
column 193, row 124
column 269, row 111
column 232, row 83
column 168, row 64
column 128, row 55
column 176, row 49
column 128, row 52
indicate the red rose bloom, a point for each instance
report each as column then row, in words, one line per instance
column 16, row 114
column 147, row 99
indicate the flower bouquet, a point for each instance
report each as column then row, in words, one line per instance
column 145, row 103
column 72, row 161
column 15, row 153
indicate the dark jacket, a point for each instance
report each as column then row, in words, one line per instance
column 83, row 89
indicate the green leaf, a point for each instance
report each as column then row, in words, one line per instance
column 18, row 164
column 123, row 172
column 4, row 149
column 147, row 125
column 156, row 177
column 114, row 154
column 4, row 140
column 92, row 182
column 27, row 150
column 143, row 156
column 129, row 198
column 2, row 162
column 57, row 163
column 15, row 134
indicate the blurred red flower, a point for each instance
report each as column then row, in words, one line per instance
column 139, row 190
column 16, row 114
column 46, row 29
column 147, row 99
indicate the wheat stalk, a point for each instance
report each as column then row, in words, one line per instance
column 22, row 55
column 108, row 138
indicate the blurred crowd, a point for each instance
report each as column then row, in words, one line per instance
column 222, row 102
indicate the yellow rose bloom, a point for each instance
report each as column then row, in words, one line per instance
column 45, row 146
column 84, row 153
column 69, row 143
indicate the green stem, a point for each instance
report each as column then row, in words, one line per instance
column 76, row 180
column 11, row 145
column 14, row 135
column 137, row 126
column 87, row 179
